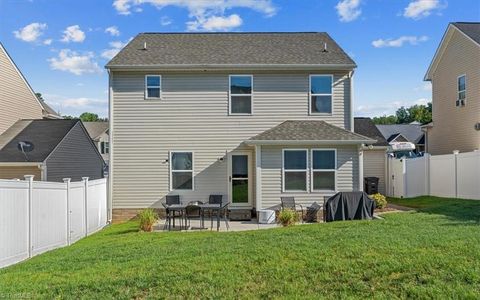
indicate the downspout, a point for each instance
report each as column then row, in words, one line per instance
column 360, row 168
column 352, row 125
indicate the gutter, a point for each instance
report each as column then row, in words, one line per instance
column 21, row 164
column 308, row 142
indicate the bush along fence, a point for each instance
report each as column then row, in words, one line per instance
column 37, row 216
column 454, row 175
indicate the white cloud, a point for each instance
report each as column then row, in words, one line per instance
column 47, row 42
column 425, row 87
column 208, row 13
column 81, row 102
column 399, row 42
column 348, row 10
column 165, row 21
column 68, row 105
column 418, row 9
column 73, row 34
column 71, row 61
column 113, row 30
column 215, row 23
column 387, row 108
column 31, row 32
column 115, row 47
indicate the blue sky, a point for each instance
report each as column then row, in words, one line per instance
column 62, row 46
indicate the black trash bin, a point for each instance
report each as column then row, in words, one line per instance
column 371, row 185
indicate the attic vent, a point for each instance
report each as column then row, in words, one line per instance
column 325, row 47
column 144, row 45
column 24, row 147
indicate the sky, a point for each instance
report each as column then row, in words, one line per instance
column 62, row 46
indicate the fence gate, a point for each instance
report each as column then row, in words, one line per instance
column 395, row 177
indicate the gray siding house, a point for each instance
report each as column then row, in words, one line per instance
column 251, row 116
column 50, row 150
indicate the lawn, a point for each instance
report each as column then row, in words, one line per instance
column 432, row 253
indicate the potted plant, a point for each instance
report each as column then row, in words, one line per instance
column 147, row 218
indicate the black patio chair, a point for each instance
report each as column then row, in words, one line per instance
column 222, row 211
column 193, row 210
column 172, row 214
column 289, row 203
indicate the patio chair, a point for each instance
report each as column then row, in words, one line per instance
column 193, row 210
column 217, row 199
column 171, row 214
column 289, row 203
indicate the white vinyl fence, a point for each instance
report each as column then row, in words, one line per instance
column 36, row 216
column 453, row 175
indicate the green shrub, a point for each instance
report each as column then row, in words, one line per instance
column 287, row 217
column 380, row 200
column 147, row 218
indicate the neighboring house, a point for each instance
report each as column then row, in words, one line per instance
column 17, row 99
column 455, row 76
column 52, row 150
column 251, row 116
column 398, row 133
column 374, row 155
column 98, row 131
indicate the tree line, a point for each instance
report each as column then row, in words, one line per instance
column 404, row 115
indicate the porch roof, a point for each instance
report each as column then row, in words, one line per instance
column 308, row 132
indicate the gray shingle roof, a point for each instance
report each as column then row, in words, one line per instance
column 472, row 29
column 95, row 129
column 309, row 131
column 44, row 134
column 207, row 49
column 412, row 132
column 366, row 127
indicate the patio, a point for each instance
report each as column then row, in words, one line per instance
column 195, row 226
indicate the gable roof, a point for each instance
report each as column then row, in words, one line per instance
column 397, row 137
column 412, row 132
column 471, row 30
column 366, row 127
column 217, row 50
column 95, row 129
column 308, row 132
column 44, row 134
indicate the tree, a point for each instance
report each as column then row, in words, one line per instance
column 39, row 96
column 418, row 112
column 403, row 117
column 89, row 117
column 385, row 120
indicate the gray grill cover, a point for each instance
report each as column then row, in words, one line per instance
column 349, row 206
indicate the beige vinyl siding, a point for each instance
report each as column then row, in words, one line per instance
column 347, row 175
column 18, row 172
column 374, row 166
column 193, row 115
column 454, row 126
column 16, row 99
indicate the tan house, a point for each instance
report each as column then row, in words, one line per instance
column 17, row 99
column 455, row 76
column 98, row 131
column 250, row 116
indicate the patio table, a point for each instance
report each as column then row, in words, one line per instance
column 211, row 207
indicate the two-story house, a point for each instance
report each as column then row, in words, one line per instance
column 17, row 98
column 251, row 116
column 455, row 76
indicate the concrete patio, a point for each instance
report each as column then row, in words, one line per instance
column 195, row 225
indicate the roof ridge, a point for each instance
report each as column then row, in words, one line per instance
column 243, row 32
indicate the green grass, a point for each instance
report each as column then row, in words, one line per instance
column 432, row 253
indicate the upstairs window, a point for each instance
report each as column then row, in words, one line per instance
column 324, row 169
column 153, row 86
column 321, row 94
column 461, row 90
column 294, row 170
column 240, row 94
column 104, row 147
column 181, row 170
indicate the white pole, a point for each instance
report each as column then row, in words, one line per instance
column 360, row 169
column 85, row 188
column 69, row 231
column 29, row 179
column 258, row 177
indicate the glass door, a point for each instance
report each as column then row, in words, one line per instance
column 240, row 182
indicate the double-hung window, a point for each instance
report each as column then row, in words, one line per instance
column 294, row 170
column 105, row 147
column 324, row 166
column 321, row 94
column 153, row 86
column 461, row 90
column 240, row 94
column 181, row 170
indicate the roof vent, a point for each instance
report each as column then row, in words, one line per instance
column 325, row 47
column 144, row 45
column 25, row 147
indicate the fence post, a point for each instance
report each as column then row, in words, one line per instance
column 427, row 173
column 29, row 179
column 69, row 231
column 85, row 193
column 455, row 157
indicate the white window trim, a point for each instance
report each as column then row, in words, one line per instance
column 310, row 95
column 322, row 170
column 146, row 87
column 295, row 170
column 458, row 92
column 230, row 95
column 170, row 171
